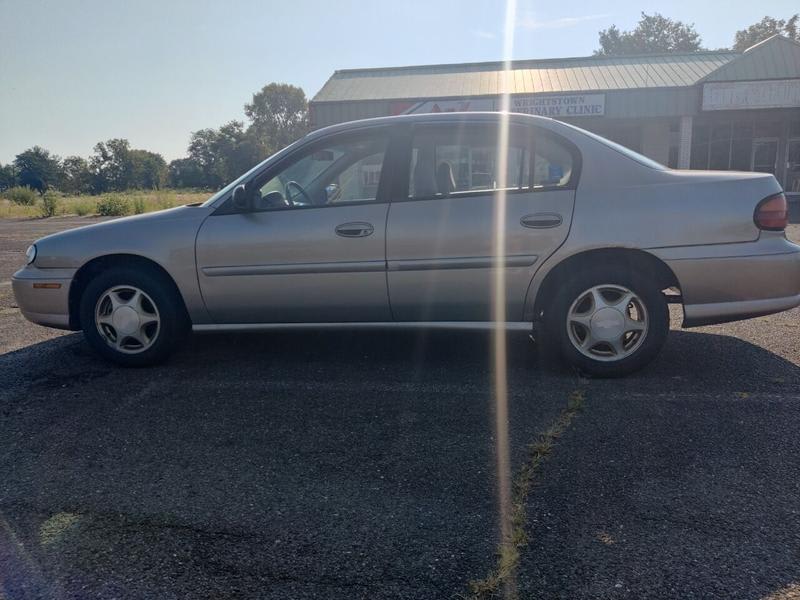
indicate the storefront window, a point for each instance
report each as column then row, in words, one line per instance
column 767, row 129
column 740, row 154
column 793, row 163
column 765, row 154
column 743, row 129
column 674, row 143
column 719, row 155
column 740, row 144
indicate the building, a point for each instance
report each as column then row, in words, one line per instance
column 703, row 110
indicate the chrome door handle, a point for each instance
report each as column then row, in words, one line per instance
column 541, row 220
column 354, row 229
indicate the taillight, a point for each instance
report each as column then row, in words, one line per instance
column 772, row 213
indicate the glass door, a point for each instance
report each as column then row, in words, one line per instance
column 765, row 155
column 792, row 183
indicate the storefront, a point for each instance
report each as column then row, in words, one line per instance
column 704, row 110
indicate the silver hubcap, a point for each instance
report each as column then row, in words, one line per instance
column 127, row 319
column 607, row 322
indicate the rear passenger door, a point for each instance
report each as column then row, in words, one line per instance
column 440, row 229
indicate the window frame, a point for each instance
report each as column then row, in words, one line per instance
column 402, row 170
column 382, row 195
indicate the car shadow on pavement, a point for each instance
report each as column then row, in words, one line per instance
column 696, row 359
column 339, row 463
column 690, row 361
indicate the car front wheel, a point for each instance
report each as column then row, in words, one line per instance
column 608, row 322
column 131, row 316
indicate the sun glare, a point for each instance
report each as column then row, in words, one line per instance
column 499, row 344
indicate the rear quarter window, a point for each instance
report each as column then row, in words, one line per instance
column 553, row 162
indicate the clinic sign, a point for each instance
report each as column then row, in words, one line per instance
column 561, row 106
column 739, row 95
column 549, row 105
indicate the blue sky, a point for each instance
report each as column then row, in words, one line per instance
column 73, row 73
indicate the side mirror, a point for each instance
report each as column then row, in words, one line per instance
column 241, row 198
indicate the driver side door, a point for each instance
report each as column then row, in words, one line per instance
column 313, row 247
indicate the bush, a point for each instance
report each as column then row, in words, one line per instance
column 113, row 206
column 83, row 208
column 50, row 202
column 23, row 196
column 138, row 205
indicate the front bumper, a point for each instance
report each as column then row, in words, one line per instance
column 47, row 306
column 730, row 282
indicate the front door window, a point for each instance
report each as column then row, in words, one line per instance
column 343, row 172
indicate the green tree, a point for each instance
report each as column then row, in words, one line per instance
column 203, row 152
column 8, row 177
column 185, row 173
column 653, row 34
column 111, row 166
column 75, row 175
column 767, row 27
column 279, row 115
column 37, row 169
column 240, row 149
column 148, row 170
column 225, row 153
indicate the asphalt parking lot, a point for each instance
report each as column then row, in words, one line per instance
column 361, row 465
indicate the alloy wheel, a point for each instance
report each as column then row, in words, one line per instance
column 127, row 319
column 607, row 322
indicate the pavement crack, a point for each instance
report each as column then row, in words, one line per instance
column 503, row 576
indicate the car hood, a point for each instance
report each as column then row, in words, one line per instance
column 147, row 234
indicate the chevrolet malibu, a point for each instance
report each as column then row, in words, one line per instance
column 432, row 221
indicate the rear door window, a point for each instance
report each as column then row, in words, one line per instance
column 458, row 160
column 463, row 160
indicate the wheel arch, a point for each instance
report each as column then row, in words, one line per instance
column 630, row 258
column 107, row 261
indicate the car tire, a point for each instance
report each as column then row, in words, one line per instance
column 586, row 316
column 132, row 316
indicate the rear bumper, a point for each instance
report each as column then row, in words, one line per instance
column 44, row 306
column 721, row 312
column 736, row 281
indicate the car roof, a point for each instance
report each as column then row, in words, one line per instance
column 442, row 117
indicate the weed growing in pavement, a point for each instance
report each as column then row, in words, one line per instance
column 508, row 554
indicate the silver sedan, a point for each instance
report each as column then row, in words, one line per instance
column 432, row 221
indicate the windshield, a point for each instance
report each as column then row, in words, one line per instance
column 228, row 188
column 241, row 179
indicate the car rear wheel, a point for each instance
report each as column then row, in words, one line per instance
column 608, row 322
column 132, row 317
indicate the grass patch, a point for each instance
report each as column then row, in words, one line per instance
column 493, row 584
column 84, row 208
column 21, row 196
column 136, row 201
column 52, row 530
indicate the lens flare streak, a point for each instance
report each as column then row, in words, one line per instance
column 499, row 342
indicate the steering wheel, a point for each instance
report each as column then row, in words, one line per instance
column 300, row 189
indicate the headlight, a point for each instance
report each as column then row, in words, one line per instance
column 30, row 253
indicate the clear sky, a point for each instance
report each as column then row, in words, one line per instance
column 74, row 72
